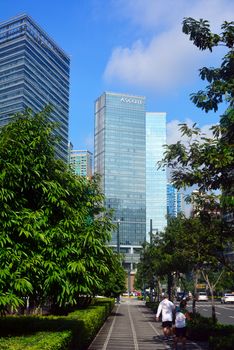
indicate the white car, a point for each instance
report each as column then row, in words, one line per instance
column 202, row 296
column 227, row 298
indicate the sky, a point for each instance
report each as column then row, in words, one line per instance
column 129, row 46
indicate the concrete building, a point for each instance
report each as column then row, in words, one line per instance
column 34, row 72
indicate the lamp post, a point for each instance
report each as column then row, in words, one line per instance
column 118, row 239
column 118, row 251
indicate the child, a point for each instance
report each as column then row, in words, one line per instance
column 181, row 315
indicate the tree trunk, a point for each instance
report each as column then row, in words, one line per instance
column 169, row 285
column 213, row 306
column 196, row 274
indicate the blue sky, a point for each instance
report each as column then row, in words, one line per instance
column 130, row 46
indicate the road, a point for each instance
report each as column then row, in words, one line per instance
column 224, row 312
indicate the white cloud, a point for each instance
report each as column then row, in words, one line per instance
column 161, row 64
column 174, row 134
column 169, row 58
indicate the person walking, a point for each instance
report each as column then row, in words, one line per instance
column 166, row 308
column 181, row 316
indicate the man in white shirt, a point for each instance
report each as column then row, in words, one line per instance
column 166, row 307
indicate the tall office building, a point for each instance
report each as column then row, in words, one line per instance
column 34, row 72
column 175, row 201
column 156, row 179
column 128, row 144
column 81, row 162
column 120, row 159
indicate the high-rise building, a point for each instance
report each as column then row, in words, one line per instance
column 34, row 72
column 81, row 162
column 120, row 160
column 156, row 179
column 175, row 201
column 128, row 144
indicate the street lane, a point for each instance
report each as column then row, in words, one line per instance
column 224, row 312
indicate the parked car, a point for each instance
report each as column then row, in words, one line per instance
column 182, row 295
column 202, row 296
column 227, row 298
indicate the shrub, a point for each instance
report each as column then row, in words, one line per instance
column 82, row 324
column 38, row 341
column 153, row 305
column 221, row 343
column 201, row 328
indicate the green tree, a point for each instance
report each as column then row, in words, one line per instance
column 164, row 258
column 53, row 227
column 207, row 162
column 114, row 282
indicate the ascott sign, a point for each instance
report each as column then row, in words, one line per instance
column 131, row 100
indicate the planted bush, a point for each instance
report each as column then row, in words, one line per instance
column 201, row 328
column 153, row 305
column 221, row 343
column 38, row 341
column 78, row 328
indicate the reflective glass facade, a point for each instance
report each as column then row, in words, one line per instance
column 174, row 201
column 34, row 72
column 81, row 162
column 120, row 159
column 156, row 179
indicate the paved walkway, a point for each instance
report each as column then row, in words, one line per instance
column 132, row 326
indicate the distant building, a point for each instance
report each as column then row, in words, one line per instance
column 81, row 162
column 156, row 179
column 34, row 72
column 175, row 201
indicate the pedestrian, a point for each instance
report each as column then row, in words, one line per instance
column 181, row 316
column 166, row 308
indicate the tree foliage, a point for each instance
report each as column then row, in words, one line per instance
column 207, row 162
column 185, row 247
column 53, row 227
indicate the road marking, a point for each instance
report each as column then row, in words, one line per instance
column 110, row 331
column 231, row 316
column 204, row 309
column 218, row 313
column 133, row 330
column 225, row 308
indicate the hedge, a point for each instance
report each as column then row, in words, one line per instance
column 153, row 305
column 38, row 341
column 80, row 326
column 221, row 343
column 202, row 328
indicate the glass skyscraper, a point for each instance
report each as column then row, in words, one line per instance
column 34, row 72
column 120, row 159
column 156, row 179
column 81, row 162
column 175, row 202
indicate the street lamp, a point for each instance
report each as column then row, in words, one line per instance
column 118, row 240
column 118, row 251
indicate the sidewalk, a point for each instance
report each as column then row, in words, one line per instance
column 132, row 326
